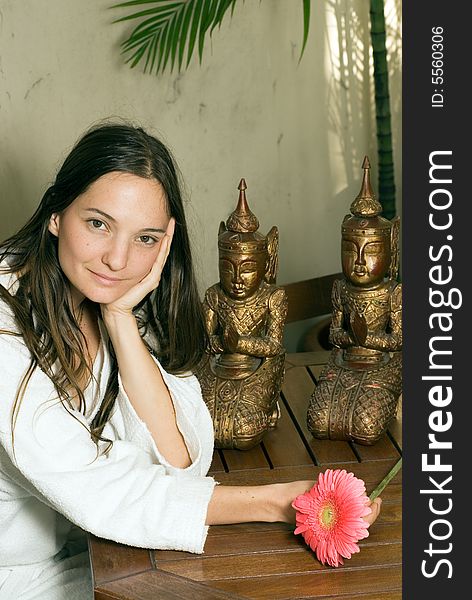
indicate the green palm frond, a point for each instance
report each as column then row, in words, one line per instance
column 170, row 29
column 306, row 25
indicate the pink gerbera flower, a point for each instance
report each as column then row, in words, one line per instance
column 330, row 516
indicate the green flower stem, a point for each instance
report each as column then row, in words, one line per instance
column 386, row 480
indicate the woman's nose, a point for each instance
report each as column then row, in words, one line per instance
column 116, row 255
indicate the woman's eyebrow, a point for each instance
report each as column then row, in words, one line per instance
column 104, row 214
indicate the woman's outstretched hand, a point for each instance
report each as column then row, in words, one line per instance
column 270, row 503
column 287, row 492
column 125, row 304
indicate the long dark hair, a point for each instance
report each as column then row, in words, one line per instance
column 42, row 304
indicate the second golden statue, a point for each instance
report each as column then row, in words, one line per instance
column 358, row 391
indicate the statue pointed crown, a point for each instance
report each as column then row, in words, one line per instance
column 240, row 232
column 366, row 209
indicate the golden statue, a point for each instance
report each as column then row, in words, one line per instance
column 244, row 315
column 358, row 391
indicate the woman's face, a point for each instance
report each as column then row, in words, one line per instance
column 108, row 237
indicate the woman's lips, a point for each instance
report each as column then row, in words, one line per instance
column 105, row 280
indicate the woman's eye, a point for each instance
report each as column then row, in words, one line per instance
column 96, row 223
column 148, row 240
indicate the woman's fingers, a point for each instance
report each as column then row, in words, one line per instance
column 375, row 506
column 153, row 278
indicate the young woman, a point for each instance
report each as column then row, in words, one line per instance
column 102, row 425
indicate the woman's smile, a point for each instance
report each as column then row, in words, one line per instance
column 105, row 279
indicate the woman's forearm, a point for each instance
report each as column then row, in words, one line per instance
column 268, row 503
column 245, row 504
column 145, row 387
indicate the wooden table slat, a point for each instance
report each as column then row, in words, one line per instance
column 384, row 448
column 272, row 541
column 275, row 563
column 160, row 584
column 243, row 460
column 334, row 582
column 377, row 596
column 279, row 443
column 113, row 561
column 216, row 464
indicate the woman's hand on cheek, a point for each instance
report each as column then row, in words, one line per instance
column 125, row 304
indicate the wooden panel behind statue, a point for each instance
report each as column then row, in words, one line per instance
column 245, row 315
column 358, row 391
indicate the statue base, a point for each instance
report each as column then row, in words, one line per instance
column 243, row 409
column 355, row 401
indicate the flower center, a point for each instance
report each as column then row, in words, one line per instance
column 328, row 516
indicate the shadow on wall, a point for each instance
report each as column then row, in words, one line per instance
column 351, row 117
column 351, row 99
column 349, row 84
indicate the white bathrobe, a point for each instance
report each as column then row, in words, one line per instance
column 53, row 485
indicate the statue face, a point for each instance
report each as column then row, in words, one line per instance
column 365, row 260
column 241, row 274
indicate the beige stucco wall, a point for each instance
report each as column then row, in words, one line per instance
column 296, row 132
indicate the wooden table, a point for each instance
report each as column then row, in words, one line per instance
column 265, row 560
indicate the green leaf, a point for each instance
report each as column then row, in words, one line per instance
column 162, row 47
column 151, row 54
column 154, row 46
column 151, row 23
column 176, row 36
column 169, row 43
column 151, row 11
column 169, row 29
column 222, row 8
column 136, row 44
column 194, row 28
column 137, row 56
column 306, row 25
column 137, row 2
column 204, row 25
column 171, row 26
column 184, row 31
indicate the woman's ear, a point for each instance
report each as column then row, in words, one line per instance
column 54, row 222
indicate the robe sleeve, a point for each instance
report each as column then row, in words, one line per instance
column 129, row 495
column 193, row 420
